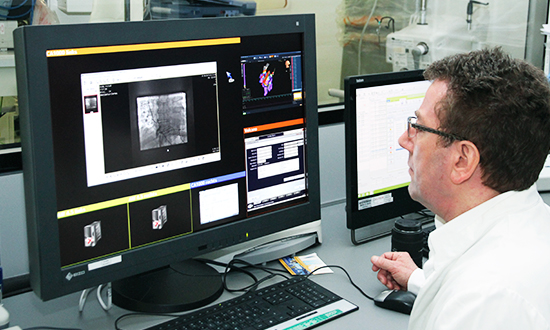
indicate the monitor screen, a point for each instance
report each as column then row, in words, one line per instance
column 148, row 143
column 377, row 108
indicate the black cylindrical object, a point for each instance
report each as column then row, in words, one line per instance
column 407, row 236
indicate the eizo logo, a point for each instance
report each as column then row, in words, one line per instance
column 71, row 275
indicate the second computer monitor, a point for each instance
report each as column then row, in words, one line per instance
column 377, row 108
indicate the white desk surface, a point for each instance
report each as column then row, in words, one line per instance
column 26, row 310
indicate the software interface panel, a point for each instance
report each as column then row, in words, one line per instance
column 382, row 113
column 174, row 146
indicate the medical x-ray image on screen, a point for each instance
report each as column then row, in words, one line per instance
column 162, row 120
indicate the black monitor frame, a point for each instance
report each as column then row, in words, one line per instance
column 374, row 221
column 48, row 278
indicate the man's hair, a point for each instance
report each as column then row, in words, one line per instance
column 502, row 105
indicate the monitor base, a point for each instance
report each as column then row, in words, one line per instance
column 183, row 286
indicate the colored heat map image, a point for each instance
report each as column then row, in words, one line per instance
column 266, row 79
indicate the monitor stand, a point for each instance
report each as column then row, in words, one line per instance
column 182, row 286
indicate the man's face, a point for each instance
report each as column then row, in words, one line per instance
column 428, row 159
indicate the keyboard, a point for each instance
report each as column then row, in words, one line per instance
column 296, row 303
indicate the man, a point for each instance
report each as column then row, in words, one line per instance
column 476, row 148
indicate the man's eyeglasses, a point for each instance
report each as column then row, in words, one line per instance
column 413, row 128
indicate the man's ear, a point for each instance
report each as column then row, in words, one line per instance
column 465, row 161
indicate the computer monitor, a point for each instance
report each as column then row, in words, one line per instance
column 146, row 144
column 376, row 110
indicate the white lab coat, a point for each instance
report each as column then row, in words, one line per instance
column 489, row 268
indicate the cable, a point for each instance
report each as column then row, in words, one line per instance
column 249, row 288
column 31, row 16
column 18, row 16
column 257, row 282
column 227, row 269
column 347, row 274
column 391, row 22
column 264, row 268
column 28, row 12
column 14, row 7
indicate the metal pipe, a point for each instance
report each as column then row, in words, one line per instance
column 470, row 11
column 127, row 10
column 423, row 9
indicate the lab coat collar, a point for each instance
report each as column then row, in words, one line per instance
column 451, row 240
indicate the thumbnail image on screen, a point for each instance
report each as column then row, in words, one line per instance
column 271, row 81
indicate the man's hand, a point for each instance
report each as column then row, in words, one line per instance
column 394, row 269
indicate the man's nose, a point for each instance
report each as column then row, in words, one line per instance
column 405, row 141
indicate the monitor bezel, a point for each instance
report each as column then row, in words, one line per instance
column 403, row 204
column 47, row 278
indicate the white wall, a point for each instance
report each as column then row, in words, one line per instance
column 332, row 157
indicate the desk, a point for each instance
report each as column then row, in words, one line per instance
column 26, row 310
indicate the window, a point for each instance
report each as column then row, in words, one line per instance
column 402, row 36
